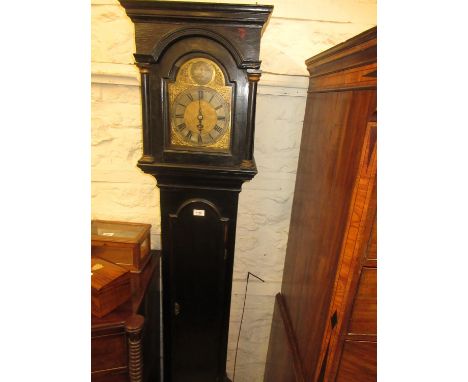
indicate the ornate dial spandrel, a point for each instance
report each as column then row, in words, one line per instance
column 200, row 107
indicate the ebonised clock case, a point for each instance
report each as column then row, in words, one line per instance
column 198, row 189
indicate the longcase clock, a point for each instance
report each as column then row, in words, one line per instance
column 199, row 65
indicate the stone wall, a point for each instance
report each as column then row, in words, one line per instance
column 298, row 30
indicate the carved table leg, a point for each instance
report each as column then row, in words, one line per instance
column 134, row 329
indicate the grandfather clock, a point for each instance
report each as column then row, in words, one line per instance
column 199, row 65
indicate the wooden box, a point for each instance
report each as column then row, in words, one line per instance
column 122, row 243
column 110, row 286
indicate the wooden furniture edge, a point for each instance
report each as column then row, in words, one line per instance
column 353, row 53
column 344, row 47
column 351, row 256
column 134, row 331
column 141, row 235
column 198, row 11
column 292, row 341
column 113, row 370
column 99, row 329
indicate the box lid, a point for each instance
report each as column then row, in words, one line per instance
column 105, row 273
column 115, row 231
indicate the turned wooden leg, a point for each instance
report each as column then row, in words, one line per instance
column 134, row 329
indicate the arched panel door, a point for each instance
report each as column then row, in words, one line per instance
column 198, row 270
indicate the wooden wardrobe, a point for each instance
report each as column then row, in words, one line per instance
column 325, row 319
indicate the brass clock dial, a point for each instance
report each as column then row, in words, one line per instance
column 200, row 107
column 200, row 116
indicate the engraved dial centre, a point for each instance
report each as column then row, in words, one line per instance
column 203, row 113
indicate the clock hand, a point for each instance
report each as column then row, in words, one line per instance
column 200, row 116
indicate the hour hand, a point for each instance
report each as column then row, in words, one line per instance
column 200, row 119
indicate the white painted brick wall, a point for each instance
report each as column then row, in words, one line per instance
column 298, row 30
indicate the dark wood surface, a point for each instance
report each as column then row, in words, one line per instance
column 331, row 207
column 128, row 337
column 197, row 252
column 358, row 363
column 199, row 270
column 170, row 33
column 197, row 276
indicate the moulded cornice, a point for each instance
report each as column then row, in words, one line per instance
column 173, row 11
column 346, row 55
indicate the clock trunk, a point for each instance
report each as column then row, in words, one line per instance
column 200, row 230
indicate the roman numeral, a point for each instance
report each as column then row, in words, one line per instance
column 189, row 135
column 211, row 138
column 212, row 96
column 200, row 141
column 180, row 116
column 181, row 126
column 218, row 107
column 189, row 96
column 200, row 94
column 221, row 118
column 218, row 129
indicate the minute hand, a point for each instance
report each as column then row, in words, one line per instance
column 200, row 117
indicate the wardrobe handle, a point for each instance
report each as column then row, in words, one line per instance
column 176, row 308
